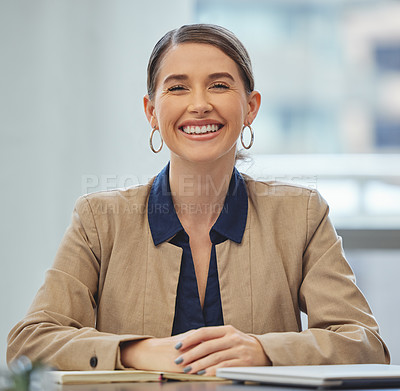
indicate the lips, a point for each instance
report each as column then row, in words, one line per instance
column 200, row 128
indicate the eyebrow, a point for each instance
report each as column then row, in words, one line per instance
column 175, row 78
column 221, row 75
column 183, row 77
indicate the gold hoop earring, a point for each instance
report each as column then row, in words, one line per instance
column 251, row 139
column 151, row 140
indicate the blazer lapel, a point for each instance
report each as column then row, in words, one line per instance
column 163, row 268
column 235, row 284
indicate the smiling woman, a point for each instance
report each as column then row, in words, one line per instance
column 217, row 270
column 200, row 104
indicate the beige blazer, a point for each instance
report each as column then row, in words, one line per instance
column 109, row 284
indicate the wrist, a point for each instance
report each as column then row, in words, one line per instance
column 263, row 357
column 130, row 352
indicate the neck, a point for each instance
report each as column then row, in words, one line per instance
column 199, row 189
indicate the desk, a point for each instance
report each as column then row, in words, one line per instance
column 165, row 386
column 185, row 386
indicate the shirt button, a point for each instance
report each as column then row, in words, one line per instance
column 93, row 362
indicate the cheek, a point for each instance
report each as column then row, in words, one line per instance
column 237, row 107
column 167, row 111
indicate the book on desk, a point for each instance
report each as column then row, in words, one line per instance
column 311, row 376
column 122, row 376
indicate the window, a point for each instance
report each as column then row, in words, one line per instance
column 329, row 75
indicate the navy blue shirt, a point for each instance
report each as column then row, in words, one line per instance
column 165, row 225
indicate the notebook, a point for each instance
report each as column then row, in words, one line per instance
column 322, row 376
column 119, row 376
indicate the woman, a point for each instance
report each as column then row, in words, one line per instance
column 202, row 267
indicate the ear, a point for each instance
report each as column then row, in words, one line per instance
column 253, row 102
column 149, row 110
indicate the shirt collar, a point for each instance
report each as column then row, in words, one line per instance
column 231, row 222
column 164, row 222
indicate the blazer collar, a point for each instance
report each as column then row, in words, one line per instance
column 164, row 222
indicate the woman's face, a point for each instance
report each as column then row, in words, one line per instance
column 200, row 103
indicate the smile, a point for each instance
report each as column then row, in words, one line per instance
column 201, row 129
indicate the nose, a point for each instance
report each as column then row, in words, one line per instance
column 199, row 103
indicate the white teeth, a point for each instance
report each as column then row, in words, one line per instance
column 200, row 129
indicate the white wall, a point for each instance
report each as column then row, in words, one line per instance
column 73, row 74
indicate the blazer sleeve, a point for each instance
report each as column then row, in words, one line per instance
column 59, row 327
column 341, row 327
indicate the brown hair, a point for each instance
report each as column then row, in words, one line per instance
column 209, row 34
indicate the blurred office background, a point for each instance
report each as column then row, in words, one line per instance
column 73, row 74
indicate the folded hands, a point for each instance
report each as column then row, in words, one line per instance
column 199, row 351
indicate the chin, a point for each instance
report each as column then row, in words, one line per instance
column 205, row 155
column 209, row 158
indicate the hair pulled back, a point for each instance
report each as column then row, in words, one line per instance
column 209, row 34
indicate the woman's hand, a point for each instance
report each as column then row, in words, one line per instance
column 199, row 351
column 156, row 354
column 204, row 350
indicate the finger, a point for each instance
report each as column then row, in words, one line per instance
column 211, row 371
column 179, row 338
column 212, row 353
column 209, row 361
column 203, row 334
column 232, row 346
column 205, row 349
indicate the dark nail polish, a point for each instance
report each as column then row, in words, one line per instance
column 178, row 345
column 187, row 369
column 179, row 360
column 202, row 372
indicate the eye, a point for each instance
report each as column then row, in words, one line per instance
column 221, row 86
column 176, row 88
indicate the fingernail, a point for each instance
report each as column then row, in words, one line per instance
column 187, row 369
column 202, row 372
column 179, row 360
column 178, row 345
